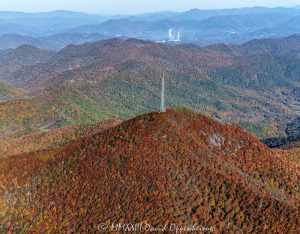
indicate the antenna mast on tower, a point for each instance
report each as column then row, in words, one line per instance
column 162, row 105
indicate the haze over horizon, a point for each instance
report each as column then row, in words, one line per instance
column 134, row 6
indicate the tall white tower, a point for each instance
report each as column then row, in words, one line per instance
column 171, row 37
column 178, row 36
column 170, row 34
column 162, row 104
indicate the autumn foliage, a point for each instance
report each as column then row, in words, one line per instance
column 174, row 167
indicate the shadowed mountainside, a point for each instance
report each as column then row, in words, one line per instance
column 292, row 138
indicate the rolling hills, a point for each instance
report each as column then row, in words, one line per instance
column 254, row 84
column 14, row 59
column 159, row 168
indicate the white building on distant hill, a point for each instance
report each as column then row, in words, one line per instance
column 173, row 37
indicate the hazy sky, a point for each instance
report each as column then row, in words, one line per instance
column 133, row 6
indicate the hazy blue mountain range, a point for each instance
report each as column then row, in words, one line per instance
column 54, row 42
column 54, row 30
column 45, row 23
column 198, row 14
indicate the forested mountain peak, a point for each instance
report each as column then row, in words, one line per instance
column 178, row 167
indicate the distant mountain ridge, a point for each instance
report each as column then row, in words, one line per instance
column 46, row 23
column 52, row 43
column 197, row 26
column 224, row 28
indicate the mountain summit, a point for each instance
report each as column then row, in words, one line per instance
column 159, row 168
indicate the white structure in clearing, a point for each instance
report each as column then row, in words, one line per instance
column 173, row 37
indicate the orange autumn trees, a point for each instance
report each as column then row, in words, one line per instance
column 159, row 168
